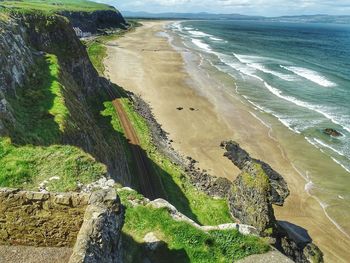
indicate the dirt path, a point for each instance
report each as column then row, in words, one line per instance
column 143, row 165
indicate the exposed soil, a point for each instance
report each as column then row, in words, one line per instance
column 143, row 166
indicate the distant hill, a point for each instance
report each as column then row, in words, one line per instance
column 202, row 16
column 207, row 16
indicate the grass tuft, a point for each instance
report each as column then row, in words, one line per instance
column 196, row 245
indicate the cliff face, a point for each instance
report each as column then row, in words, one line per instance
column 77, row 92
column 95, row 21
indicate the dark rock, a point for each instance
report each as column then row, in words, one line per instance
column 179, row 108
column 192, row 109
column 96, row 21
column 332, row 132
column 278, row 191
column 250, row 200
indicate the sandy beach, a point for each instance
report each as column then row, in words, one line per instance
column 197, row 121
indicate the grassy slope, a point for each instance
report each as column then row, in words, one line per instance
column 184, row 243
column 41, row 116
column 55, row 5
column 28, row 166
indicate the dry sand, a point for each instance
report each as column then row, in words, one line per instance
column 145, row 63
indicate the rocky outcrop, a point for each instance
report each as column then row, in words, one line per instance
column 99, row 239
column 96, row 21
column 332, row 132
column 249, row 200
column 278, row 189
column 251, row 197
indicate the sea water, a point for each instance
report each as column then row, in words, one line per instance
column 298, row 76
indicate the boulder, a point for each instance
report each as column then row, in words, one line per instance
column 332, row 132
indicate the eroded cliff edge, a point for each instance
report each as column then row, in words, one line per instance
column 50, row 94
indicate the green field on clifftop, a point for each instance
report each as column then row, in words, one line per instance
column 55, row 5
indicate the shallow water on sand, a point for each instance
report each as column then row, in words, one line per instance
column 294, row 79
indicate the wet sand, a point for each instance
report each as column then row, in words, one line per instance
column 145, row 63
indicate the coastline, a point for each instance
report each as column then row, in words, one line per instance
column 158, row 73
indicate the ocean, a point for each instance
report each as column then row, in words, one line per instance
column 295, row 77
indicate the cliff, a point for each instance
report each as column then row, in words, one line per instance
column 96, row 21
column 50, row 94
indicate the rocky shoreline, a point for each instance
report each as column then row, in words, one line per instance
column 250, row 197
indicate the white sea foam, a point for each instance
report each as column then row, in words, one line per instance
column 216, row 39
column 199, row 34
column 321, row 110
column 329, row 147
column 177, row 26
column 322, row 204
column 263, row 68
column 342, row 165
column 262, row 109
column 246, row 59
column 309, row 186
column 286, row 123
column 259, row 119
column 311, row 75
column 202, row 45
column 312, row 141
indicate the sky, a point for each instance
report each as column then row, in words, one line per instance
column 247, row 7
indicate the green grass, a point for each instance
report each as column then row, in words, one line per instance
column 51, row 6
column 97, row 52
column 27, row 166
column 185, row 243
column 39, row 107
column 260, row 181
column 58, row 109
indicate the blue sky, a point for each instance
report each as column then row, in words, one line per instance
column 250, row 7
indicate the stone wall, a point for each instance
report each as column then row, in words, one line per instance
column 40, row 219
column 100, row 235
column 91, row 223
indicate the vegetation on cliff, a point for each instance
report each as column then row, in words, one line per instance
column 58, row 168
column 52, row 133
column 183, row 241
column 51, row 6
column 41, row 116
